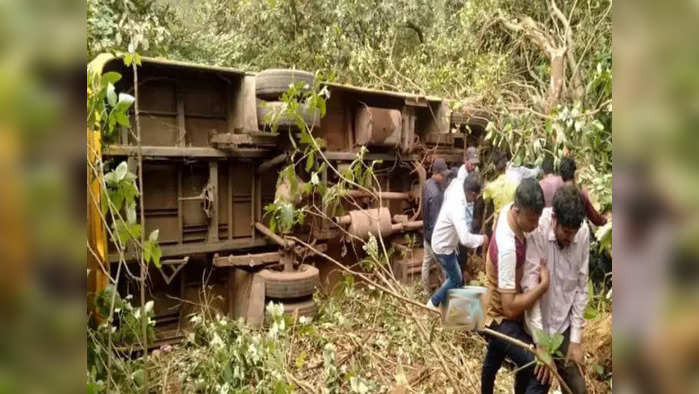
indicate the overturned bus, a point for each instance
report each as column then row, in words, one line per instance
column 211, row 165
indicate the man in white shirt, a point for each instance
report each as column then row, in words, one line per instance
column 516, row 174
column 453, row 226
column 562, row 240
column 456, row 190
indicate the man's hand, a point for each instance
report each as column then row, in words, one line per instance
column 544, row 279
column 575, row 353
column 542, row 373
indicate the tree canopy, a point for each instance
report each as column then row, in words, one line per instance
column 542, row 70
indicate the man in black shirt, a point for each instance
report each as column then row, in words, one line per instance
column 432, row 197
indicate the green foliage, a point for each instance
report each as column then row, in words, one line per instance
column 120, row 197
column 604, row 237
column 597, row 303
column 451, row 49
column 121, row 190
column 374, row 255
column 118, row 25
column 105, row 108
column 550, row 345
column 283, row 216
column 151, row 249
column 126, row 321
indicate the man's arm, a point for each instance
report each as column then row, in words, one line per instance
column 466, row 238
column 530, row 278
column 430, row 217
column 595, row 217
column 513, row 303
column 435, row 203
column 580, row 301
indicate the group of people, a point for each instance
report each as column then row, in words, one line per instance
column 536, row 263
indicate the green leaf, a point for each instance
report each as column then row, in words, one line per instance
column 300, row 359
column 556, row 341
column 305, row 137
column 111, row 95
column 154, row 235
column 121, row 171
column 310, row 160
column 128, row 189
column 111, row 77
column 131, row 212
column 116, row 198
column 111, row 122
column 125, row 101
column 147, row 251
column 156, row 253
column 126, row 231
column 599, row 369
column 122, row 119
column 545, row 358
column 128, row 59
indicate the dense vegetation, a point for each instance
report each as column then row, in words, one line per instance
column 541, row 70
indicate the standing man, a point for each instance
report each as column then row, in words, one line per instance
column 506, row 299
column 432, row 197
column 453, row 227
column 562, row 240
column 550, row 182
column 455, row 190
column 568, row 168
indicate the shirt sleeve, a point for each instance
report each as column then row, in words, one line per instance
column 468, row 239
column 530, row 279
column 432, row 205
column 577, row 318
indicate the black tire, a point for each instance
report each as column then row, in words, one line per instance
column 297, row 284
column 272, row 83
column 306, row 308
column 266, row 107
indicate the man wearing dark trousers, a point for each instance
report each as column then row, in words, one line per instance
column 506, row 299
column 432, row 197
column 562, row 240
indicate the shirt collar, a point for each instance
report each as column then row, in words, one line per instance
column 552, row 236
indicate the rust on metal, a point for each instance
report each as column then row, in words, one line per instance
column 378, row 127
column 210, row 169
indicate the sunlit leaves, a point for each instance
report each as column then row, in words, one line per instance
column 283, row 216
column 550, row 343
column 151, row 249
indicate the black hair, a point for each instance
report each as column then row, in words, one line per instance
column 547, row 165
column 568, row 206
column 473, row 183
column 568, row 169
column 529, row 195
column 500, row 161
